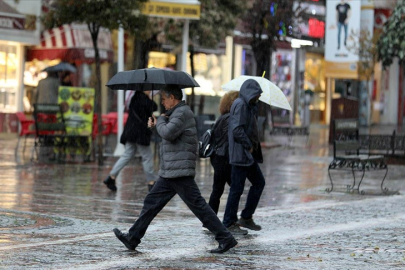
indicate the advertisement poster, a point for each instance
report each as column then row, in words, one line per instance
column 342, row 22
column 77, row 104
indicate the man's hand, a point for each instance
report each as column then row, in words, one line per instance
column 251, row 150
column 152, row 121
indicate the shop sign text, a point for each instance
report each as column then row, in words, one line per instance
column 12, row 23
column 162, row 9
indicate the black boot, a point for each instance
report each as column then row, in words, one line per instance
column 123, row 237
column 225, row 246
column 110, row 183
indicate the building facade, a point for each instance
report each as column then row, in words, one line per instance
column 19, row 28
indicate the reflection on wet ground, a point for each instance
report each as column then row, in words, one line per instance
column 40, row 200
column 293, row 175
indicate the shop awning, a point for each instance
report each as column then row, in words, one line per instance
column 73, row 44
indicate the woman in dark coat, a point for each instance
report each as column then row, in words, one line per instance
column 220, row 158
column 136, row 136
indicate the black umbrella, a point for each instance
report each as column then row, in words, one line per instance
column 149, row 79
column 62, row 66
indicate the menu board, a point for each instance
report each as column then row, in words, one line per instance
column 77, row 105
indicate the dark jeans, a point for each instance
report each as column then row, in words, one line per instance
column 340, row 25
column 239, row 174
column 161, row 193
column 222, row 175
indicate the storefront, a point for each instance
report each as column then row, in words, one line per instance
column 341, row 61
column 19, row 27
column 283, row 65
column 73, row 44
column 315, row 87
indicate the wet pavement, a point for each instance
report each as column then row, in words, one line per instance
column 61, row 216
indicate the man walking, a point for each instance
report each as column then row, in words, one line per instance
column 244, row 155
column 176, row 175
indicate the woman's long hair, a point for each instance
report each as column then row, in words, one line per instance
column 227, row 100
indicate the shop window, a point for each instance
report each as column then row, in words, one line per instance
column 208, row 69
column 314, row 82
column 161, row 60
column 281, row 72
column 8, row 77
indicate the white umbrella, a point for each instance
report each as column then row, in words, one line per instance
column 271, row 95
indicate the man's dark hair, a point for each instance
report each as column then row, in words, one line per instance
column 52, row 74
column 173, row 90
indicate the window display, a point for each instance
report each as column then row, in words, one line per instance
column 8, row 77
column 314, row 81
column 282, row 72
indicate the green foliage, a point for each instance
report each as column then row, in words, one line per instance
column 392, row 40
column 99, row 13
column 96, row 14
column 218, row 20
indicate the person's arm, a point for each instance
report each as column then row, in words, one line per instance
column 36, row 94
column 239, row 123
column 155, row 107
column 337, row 14
column 349, row 13
column 171, row 128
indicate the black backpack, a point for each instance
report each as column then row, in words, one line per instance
column 206, row 145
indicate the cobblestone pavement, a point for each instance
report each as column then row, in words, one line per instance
column 60, row 216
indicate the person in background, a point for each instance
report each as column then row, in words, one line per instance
column 48, row 89
column 244, row 155
column 220, row 157
column 66, row 79
column 136, row 136
column 178, row 149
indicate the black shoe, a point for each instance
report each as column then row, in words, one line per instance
column 123, row 237
column 249, row 223
column 110, row 183
column 224, row 247
column 236, row 230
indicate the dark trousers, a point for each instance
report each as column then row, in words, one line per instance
column 340, row 25
column 161, row 193
column 222, row 175
column 239, row 174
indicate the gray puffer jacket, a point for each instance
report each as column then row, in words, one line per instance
column 178, row 150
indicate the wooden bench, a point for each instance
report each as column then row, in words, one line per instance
column 347, row 156
column 51, row 132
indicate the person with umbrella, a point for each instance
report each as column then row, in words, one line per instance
column 178, row 149
column 136, row 136
column 47, row 89
column 220, row 158
column 244, row 155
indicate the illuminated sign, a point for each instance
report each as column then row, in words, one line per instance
column 316, row 28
